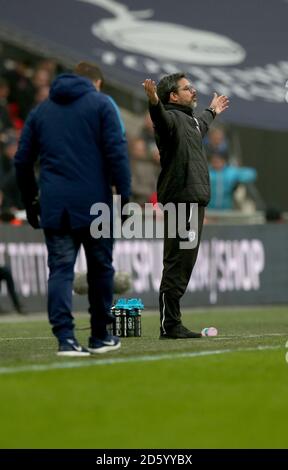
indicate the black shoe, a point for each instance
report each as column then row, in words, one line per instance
column 109, row 343
column 69, row 347
column 179, row 332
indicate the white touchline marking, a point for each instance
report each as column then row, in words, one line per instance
column 219, row 337
column 125, row 360
column 248, row 336
column 265, row 334
column 19, row 338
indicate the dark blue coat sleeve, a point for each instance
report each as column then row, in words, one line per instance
column 25, row 158
column 114, row 147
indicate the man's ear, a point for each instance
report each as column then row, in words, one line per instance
column 173, row 97
column 98, row 84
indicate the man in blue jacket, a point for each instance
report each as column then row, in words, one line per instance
column 78, row 139
column 224, row 179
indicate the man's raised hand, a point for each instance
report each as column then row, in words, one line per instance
column 151, row 90
column 219, row 103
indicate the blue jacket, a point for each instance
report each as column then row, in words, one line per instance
column 223, row 183
column 77, row 136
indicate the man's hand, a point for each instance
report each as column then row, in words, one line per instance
column 151, row 91
column 219, row 103
column 32, row 214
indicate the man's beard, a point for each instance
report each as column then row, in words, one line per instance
column 193, row 104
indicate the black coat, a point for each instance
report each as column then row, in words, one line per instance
column 184, row 176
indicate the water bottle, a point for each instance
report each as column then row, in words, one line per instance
column 120, row 324
column 117, row 323
column 135, row 307
column 137, row 318
column 111, row 326
column 123, row 322
column 137, row 323
column 130, row 321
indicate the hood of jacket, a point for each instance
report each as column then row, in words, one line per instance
column 68, row 87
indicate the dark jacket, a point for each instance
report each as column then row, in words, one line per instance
column 184, row 176
column 77, row 136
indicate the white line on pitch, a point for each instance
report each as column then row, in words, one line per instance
column 249, row 336
column 219, row 338
column 124, row 360
column 19, row 338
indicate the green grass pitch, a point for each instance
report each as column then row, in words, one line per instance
column 223, row 392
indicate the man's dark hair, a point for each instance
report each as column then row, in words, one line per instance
column 89, row 70
column 168, row 84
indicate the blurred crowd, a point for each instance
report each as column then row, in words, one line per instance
column 23, row 86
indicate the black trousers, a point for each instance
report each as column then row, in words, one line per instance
column 178, row 265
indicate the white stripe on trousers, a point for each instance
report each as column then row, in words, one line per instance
column 163, row 314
